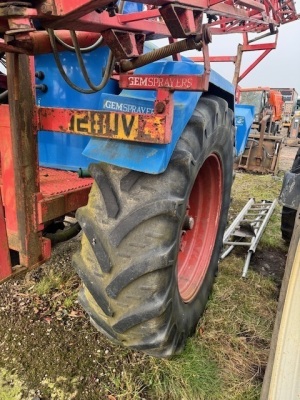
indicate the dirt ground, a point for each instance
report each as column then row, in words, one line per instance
column 47, row 342
column 287, row 156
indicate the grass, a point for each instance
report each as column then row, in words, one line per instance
column 237, row 328
column 11, row 386
column 192, row 375
column 50, row 281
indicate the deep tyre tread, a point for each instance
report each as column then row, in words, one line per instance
column 288, row 215
column 132, row 228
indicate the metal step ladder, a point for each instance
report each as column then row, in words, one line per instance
column 247, row 228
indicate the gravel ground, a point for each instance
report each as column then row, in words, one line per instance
column 287, row 157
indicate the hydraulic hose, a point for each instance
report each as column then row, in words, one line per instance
column 110, row 62
column 65, row 234
column 65, row 76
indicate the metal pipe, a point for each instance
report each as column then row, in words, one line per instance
column 4, row 95
column 275, row 156
column 262, row 226
column 263, row 124
column 256, row 239
column 247, row 263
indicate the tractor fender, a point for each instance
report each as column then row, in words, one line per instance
column 290, row 191
column 145, row 157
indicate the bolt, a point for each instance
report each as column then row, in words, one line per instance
column 43, row 88
column 188, row 223
column 160, row 107
column 40, row 75
column 46, row 9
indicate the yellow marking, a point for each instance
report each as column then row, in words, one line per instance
column 105, row 124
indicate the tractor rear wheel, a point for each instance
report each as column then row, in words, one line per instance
column 288, row 214
column 151, row 243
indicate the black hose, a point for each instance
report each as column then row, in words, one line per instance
column 65, row 234
column 109, row 68
column 3, row 95
column 92, row 47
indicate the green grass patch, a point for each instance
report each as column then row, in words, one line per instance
column 237, row 328
column 192, row 375
column 10, row 386
column 70, row 300
column 49, row 282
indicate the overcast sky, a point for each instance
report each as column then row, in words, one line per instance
column 280, row 68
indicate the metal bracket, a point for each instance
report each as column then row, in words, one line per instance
column 182, row 21
column 124, row 44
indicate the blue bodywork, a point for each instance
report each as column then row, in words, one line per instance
column 60, row 150
column 150, row 158
column 244, row 117
column 71, row 152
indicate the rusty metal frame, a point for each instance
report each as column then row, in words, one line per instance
column 23, row 207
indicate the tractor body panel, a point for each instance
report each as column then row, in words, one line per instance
column 72, row 152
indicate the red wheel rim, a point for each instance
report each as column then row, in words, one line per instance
column 200, row 228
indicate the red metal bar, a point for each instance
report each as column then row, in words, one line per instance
column 24, row 186
column 215, row 59
column 180, row 82
column 5, row 262
column 104, row 21
column 71, row 11
column 8, row 179
column 81, row 15
column 251, row 4
column 138, row 16
column 133, row 127
column 259, row 47
column 237, row 67
column 250, row 68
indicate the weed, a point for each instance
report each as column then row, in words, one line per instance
column 70, row 300
column 10, row 386
column 50, row 281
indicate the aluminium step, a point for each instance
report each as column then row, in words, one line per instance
column 247, row 228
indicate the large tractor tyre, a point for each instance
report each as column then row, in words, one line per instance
column 288, row 214
column 151, row 243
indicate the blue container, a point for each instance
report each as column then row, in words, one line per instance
column 244, row 117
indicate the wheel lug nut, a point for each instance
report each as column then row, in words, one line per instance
column 188, row 223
